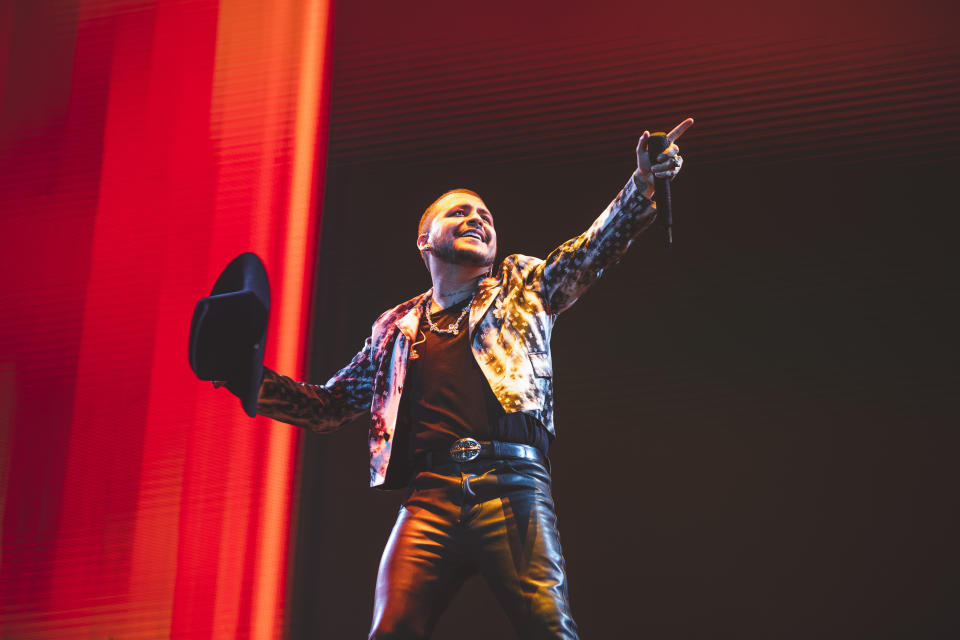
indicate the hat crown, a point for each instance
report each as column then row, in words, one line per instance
column 244, row 273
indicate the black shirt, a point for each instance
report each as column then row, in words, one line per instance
column 450, row 397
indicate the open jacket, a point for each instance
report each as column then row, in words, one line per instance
column 510, row 323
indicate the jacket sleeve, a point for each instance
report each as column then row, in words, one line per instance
column 576, row 264
column 320, row 408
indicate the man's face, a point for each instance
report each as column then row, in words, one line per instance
column 461, row 231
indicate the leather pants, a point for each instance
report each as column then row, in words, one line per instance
column 495, row 517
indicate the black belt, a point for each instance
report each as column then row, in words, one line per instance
column 468, row 450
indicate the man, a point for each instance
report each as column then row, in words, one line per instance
column 458, row 383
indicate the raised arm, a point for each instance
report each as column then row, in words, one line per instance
column 576, row 264
column 320, row 408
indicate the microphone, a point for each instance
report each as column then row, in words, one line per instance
column 657, row 144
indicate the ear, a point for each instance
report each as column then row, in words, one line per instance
column 423, row 242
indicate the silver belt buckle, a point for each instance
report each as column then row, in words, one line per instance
column 465, row 450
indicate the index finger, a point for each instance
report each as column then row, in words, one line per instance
column 679, row 129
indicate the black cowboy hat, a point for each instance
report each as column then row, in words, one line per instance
column 229, row 330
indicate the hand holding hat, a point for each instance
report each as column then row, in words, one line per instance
column 229, row 330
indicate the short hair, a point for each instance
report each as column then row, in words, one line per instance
column 424, row 219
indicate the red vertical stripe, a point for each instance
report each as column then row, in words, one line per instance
column 50, row 148
column 139, row 502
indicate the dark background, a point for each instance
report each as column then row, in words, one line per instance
column 756, row 429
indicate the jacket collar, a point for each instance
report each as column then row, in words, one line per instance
column 409, row 323
column 486, row 293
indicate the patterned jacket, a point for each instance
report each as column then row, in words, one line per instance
column 510, row 323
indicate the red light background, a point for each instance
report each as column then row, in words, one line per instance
column 145, row 143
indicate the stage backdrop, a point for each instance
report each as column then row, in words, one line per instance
column 756, row 435
column 143, row 144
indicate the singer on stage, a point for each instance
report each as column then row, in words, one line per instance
column 459, row 387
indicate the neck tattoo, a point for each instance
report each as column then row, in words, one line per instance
column 452, row 294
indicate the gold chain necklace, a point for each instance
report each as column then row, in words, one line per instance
column 453, row 328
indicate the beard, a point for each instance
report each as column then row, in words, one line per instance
column 449, row 253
